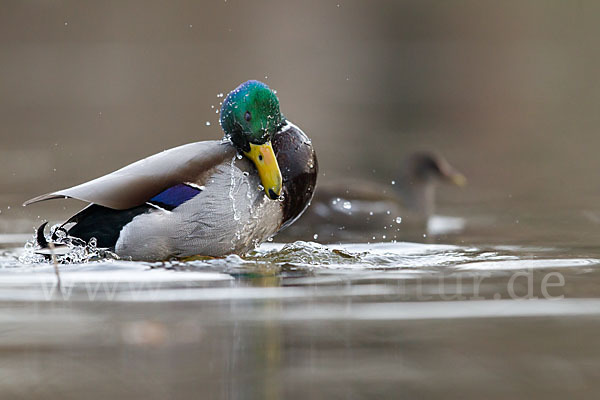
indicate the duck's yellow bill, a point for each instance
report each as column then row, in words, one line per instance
column 458, row 179
column 263, row 157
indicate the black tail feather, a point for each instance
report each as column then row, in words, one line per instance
column 103, row 223
column 49, row 249
column 40, row 237
column 94, row 221
column 55, row 236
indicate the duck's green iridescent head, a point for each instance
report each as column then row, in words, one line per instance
column 250, row 116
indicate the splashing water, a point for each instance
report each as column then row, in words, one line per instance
column 307, row 253
column 67, row 250
column 236, row 212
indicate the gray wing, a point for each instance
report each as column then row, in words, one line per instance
column 136, row 183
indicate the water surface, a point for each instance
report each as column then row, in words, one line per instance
column 308, row 320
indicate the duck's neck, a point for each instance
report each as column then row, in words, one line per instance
column 419, row 197
column 299, row 168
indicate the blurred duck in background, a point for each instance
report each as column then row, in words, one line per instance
column 356, row 210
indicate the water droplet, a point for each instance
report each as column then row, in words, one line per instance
column 212, row 106
column 370, row 212
column 315, row 236
column 347, row 205
column 383, row 237
column 236, row 214
column 191, row 25
column 220, row 95
column 207, row 123
column 424, row 235
column 270, row 239
column 388, row 212
column 66, row 23
column 398, row 220
column 239, row 156
column 393, row 182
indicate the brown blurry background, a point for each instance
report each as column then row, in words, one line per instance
column 509, row 91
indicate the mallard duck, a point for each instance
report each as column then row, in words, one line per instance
column 346, row 209
column 209, row 198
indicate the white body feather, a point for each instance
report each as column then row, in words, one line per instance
column 240, row 218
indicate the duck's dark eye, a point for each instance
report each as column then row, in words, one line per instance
column 248, row 116
column 260, row 157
